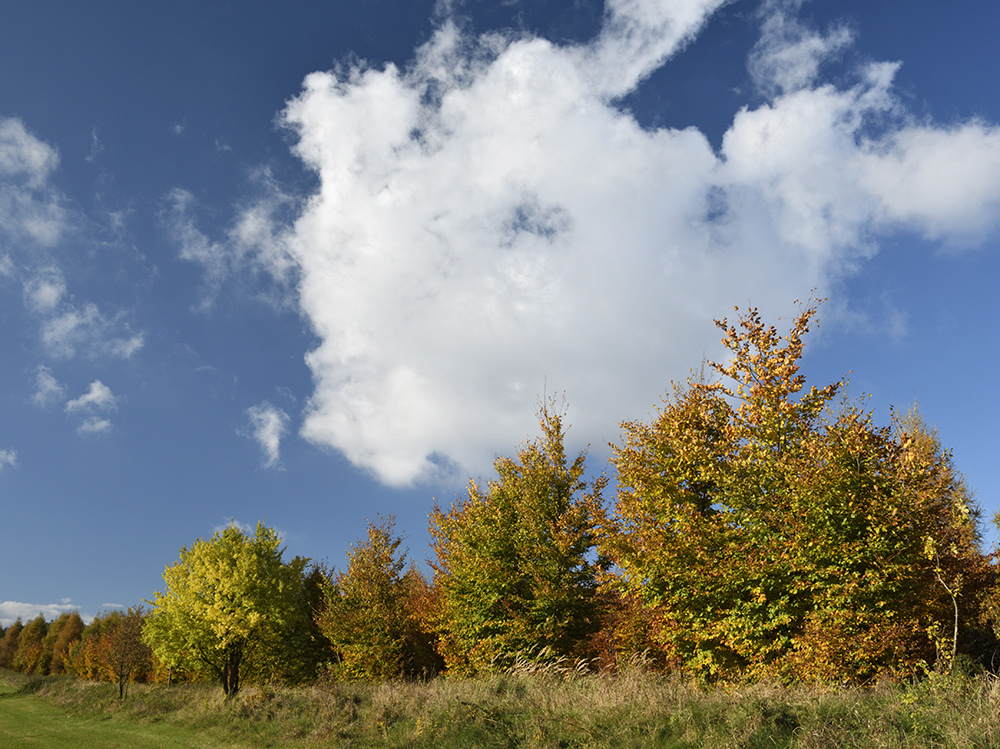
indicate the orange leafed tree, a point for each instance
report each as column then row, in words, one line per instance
column 776, row 531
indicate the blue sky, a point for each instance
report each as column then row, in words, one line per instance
column 318, row 261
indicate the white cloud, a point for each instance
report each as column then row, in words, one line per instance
column 98, row 398
column 268, row 425
column 32, row 209
column 96, row 147
column 251, row 248
column 29, row 207
column 94, row 425
column 92, row 407
column 789, row 55
column 70, row 330
column 10, row 611
column 8, row 458
column 488, row 221
column 48, row 390
column 44, row 290
column 23, row 156
column 246, row 528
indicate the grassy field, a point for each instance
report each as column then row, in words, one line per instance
column 29, row 721
column 640, row 710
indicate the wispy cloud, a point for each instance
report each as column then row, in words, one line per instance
column 268, row 426
column 247, row 528
column 34, row 221
column 44, row 290
column 253, row 248
column 93, row 406
column 48, row 390
column 98, row 398
column 8, row 458
column 489, row 220
column 96, row 147
column 30, row 209
column 72, row 330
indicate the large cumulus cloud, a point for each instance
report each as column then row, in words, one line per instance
column 488, row 223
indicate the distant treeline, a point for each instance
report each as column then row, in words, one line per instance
column 761, row 529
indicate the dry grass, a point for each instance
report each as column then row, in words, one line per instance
column 557, row 706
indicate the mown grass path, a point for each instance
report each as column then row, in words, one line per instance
column 27, row 721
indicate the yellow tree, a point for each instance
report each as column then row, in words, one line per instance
column 515, row 570
column 775, row 532
column 228, row 606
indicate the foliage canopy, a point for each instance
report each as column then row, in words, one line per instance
column 230, row 603
column 515, row 567
column 776, row 532
column 373, row 615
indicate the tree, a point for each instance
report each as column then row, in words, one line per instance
column 515, row 569
column 121, row 649
column 775, row 532
column 69, row 633
column 8, row 646
column 28, row 658
column 229, row 602
column 84, row 658
column 371, row 617
column 306, row 650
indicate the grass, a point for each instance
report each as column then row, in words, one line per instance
column 527, row 710
column 26, row 720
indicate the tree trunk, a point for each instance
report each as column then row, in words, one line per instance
column 231, row 672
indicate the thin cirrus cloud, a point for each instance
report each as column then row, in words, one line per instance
column 489, row 223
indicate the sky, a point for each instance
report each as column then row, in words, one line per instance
column 314, row 262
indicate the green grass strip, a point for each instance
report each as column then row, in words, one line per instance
column 28, row 721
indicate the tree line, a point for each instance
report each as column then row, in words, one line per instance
column 761, row 529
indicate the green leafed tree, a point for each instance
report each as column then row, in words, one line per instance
column 515, row 568
column 372, row 617
column 228, row 606
column 774, row 531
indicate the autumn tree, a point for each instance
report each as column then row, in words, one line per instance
column 515, row 569
column 120, row 648
column 83, row 659
column 371, row 617
column 228, row 604
column 8, row 645
column 28, row 658
column 69, row 632
column 776, row 531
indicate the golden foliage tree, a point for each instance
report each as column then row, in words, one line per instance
column 229, row 605
column 775, row 532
